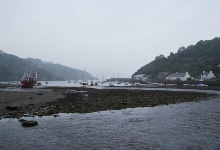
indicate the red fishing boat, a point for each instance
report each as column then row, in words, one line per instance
column 29, row 80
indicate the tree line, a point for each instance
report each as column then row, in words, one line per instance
column 203, row 56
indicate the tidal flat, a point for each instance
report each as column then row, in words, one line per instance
column 54, row 100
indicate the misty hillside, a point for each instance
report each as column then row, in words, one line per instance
column 203, row 56
column 13, row 67
column 66, row 73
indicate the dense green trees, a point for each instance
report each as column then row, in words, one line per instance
column 204, row 56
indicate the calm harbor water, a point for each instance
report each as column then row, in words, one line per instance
column 191, row 125
column 178, row 126
column 65, row 84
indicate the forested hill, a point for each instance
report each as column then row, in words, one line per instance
column 203, row 56
column 66, row 73
column 13, row 67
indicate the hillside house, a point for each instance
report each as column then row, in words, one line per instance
column 147, row 77
column 162, row 75
column 139, row 77
column 178, row 76
column 207, row 76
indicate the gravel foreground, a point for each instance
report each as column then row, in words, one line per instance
column 54, row 100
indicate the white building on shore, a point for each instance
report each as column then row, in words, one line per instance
column 178, row 76
column 207, row 76
column 139, row 77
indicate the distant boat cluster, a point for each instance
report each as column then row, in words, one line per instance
column 29, row 80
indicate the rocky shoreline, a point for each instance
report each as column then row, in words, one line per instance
column 54, row 100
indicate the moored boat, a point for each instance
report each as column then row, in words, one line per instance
column 84, row 83
column 29, row 80
column 92, row 83
column 38, row 83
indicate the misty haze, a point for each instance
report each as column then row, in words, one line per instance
column 98, row 74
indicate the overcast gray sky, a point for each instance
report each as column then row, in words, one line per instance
column 105, row 36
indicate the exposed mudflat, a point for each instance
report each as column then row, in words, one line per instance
column 84, row 100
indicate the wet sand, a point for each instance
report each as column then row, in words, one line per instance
column 54, row 100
